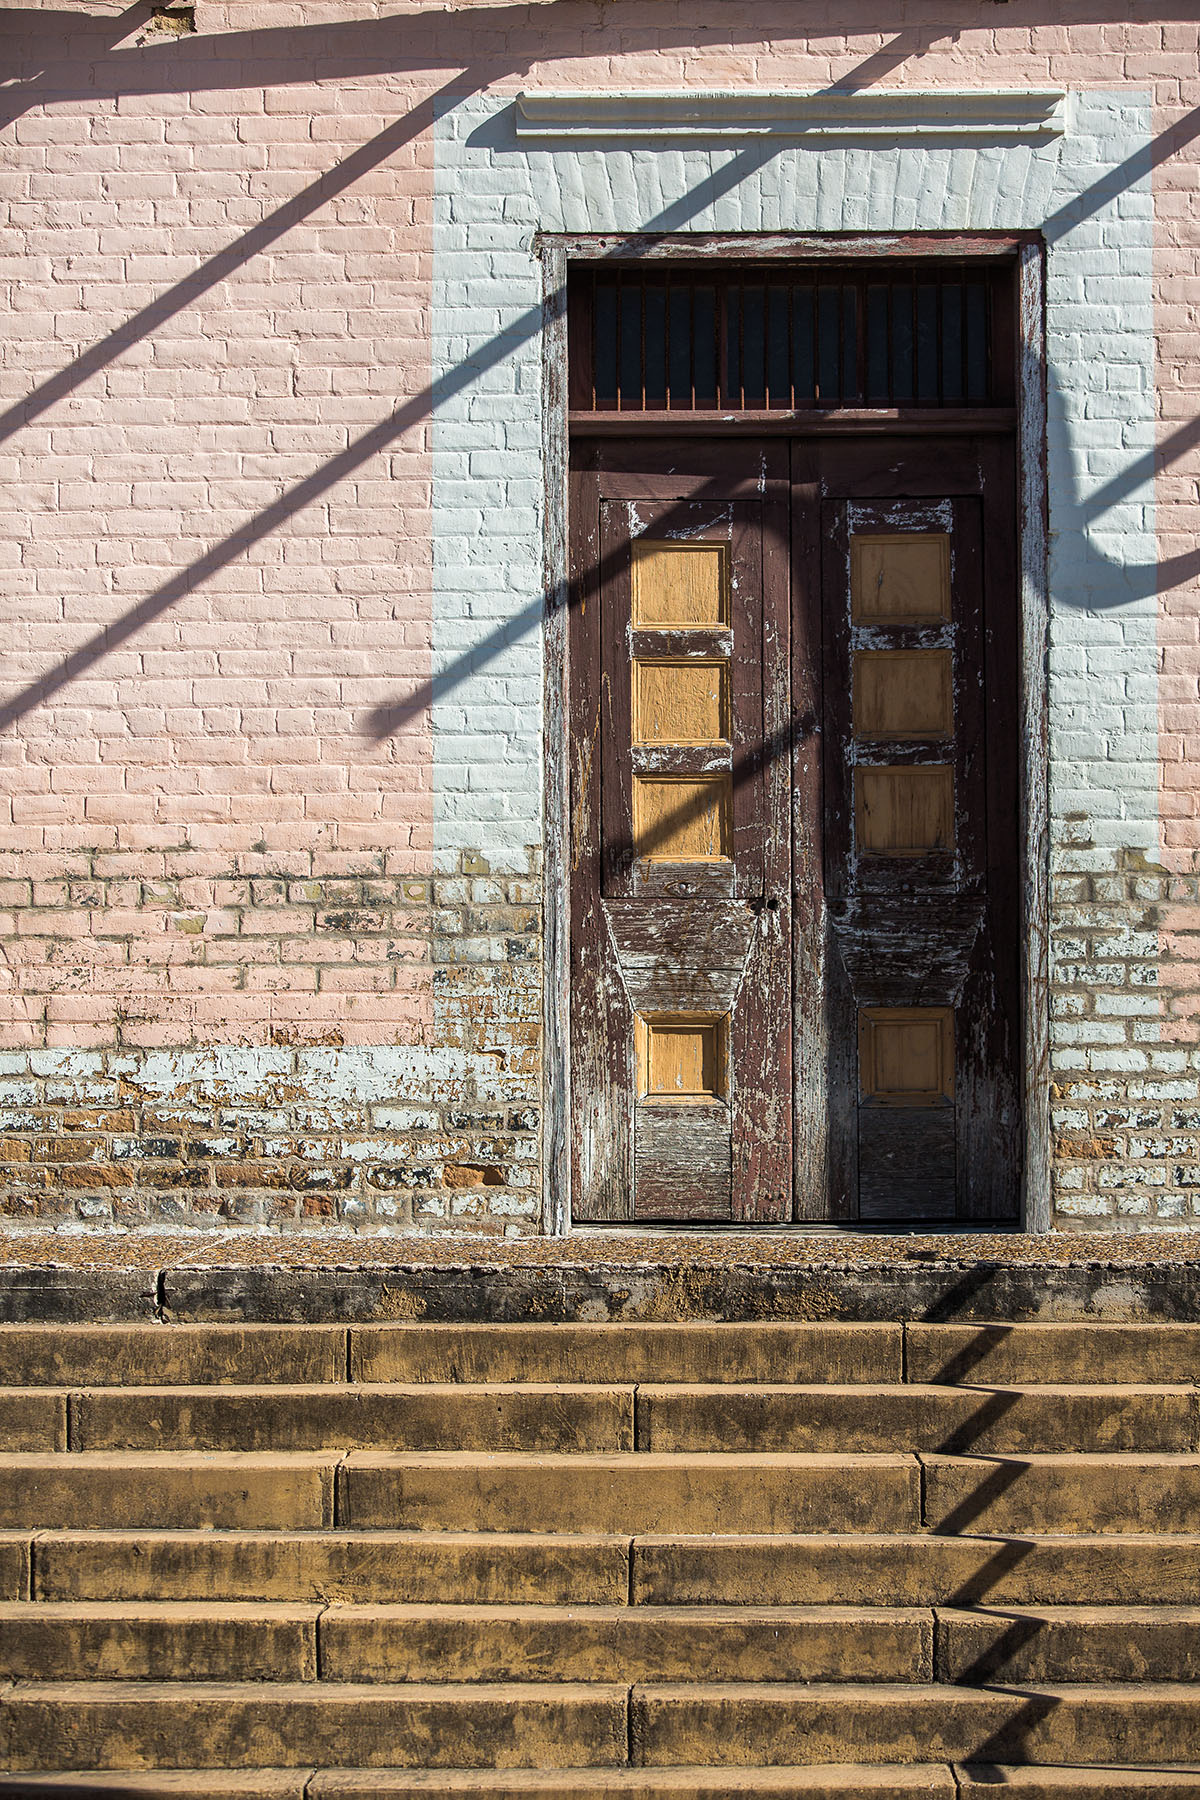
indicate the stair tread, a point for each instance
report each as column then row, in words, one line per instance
column 851, row 1778
column 863, row 1390
column 79, row 1691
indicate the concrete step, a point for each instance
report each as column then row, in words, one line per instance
column 1069, row 1643
column 935, row 1783
column 1073, row 1725
column 648, row 1492
column 210, row 1641
column 586, row 1569
column 485, row 1568
column 162, row 1640
column 33, row 1419
column 897, row 1781
column 1008, row 1355
column 231, row 1725
column 146, row 1354
column 898, row 1418
column 424, row 1416
column 914, row 1570
column 162, row 1784
column 65, row 1355
column 828, row 1781
column 82, row 1725
column 625, row 1643
column 979, row 1781
column 160, row 1488
column 249, row 1641
column 544, row 1416
column 639, row 1351
column 536, row 1416
column 1072, row 1492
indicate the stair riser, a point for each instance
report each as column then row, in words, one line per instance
column 382, row 1567
column 114, row 1650
column 642, row 1352
column 588, row 1728
column 973, row 1651
column 1061, row 1495
column 199, row 1784
column 905, row 1419
column 1004, row 1355
column 815, row 1420
column 346, row 1418
column 954, row 1725
column 917, row 1571
column 865, row 1649
column 628, row 1498
column 843, row 1783
column 150, row 1355
column 999, row 1355
column 377, row 1566
column 33, row 1421
column 1035, row 1650
column 502, row 1728
column 67, row 1493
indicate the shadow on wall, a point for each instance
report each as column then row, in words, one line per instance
column 291, row 55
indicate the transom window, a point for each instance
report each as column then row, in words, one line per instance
column 653, row 336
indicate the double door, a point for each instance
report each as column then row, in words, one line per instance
column 794, row 846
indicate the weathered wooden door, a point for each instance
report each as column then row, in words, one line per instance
column 920, row 817
column 794, row 829
column 679, row 854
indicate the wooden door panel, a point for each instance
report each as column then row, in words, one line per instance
column 680, row 1001
column 921, row 843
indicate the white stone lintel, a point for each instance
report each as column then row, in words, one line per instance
column 891, row 113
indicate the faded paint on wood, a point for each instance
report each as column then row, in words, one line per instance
column 676, row 701
column 680, row 585
column 682, row 820
column 904, row 812
column 903, row 694
column 906, row 1055
column 899, row 579
column 681, row 1057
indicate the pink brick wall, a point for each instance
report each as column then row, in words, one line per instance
column 224, row 499
column 216, row 278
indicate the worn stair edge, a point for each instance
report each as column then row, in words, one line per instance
column 641, row 1491
column 829, row 1783
column 153, row 1353
column 150, row 1488
column 533, row 1417
column 984, row 1290
column 683, row 1418
column 485, row 1567
column 1076, row 1724
column 113, row 1724
column 815, row 1782
column 1082, row 1642
column 324, row 1565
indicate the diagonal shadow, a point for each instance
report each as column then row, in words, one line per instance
column 193, row 286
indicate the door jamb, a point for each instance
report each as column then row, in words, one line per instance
column 556, row 251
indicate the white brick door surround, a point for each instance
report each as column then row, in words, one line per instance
column 1085, row 187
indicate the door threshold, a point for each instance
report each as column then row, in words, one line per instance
column 799, row 1229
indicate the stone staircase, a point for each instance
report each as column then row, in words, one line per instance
column 641, row 1559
